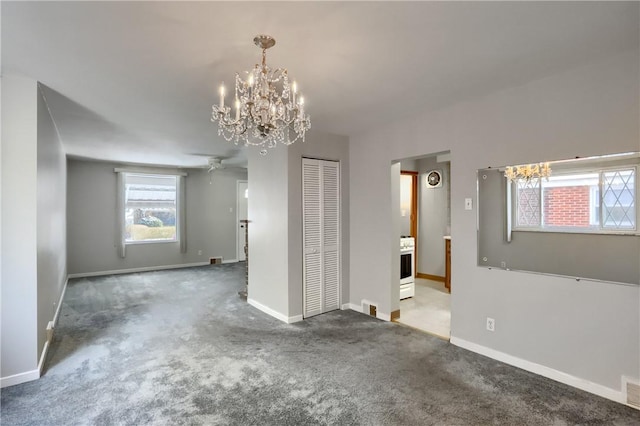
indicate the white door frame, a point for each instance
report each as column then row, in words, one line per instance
column 340, row 266
column 238, row 248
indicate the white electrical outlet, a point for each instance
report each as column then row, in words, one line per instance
column 491, row 324
column 199, row 252
column 503, row 264
column 468, row 204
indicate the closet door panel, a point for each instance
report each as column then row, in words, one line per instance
column 331, row 234
column 321, row 236
column 312, row 237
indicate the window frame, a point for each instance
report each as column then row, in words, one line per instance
column 177, row 208
column 599, row 229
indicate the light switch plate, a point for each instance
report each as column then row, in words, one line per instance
column 468, row 204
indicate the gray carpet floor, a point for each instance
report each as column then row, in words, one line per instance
column 180, row 347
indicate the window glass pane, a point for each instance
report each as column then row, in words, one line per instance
column 150, row 208
column 571, row 201
column 528, row 203
column 618, row 199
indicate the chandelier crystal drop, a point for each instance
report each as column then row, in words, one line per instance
column 528, row 171
column 267, row 110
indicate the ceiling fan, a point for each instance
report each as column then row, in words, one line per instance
column 215, row 163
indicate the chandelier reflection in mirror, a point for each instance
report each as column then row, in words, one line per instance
column 268, row 110
column 528, row 171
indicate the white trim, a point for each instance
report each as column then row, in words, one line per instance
column 150, row 171
column 383, row 316
column 143, row 269
column 43, row 357
column 238, row 183
column 16, row 379
column 230, row 261
column 355, row 307
column 542, row 370
column 57, row 314
column 295, row 318
column 352, row 306
column 267, row 310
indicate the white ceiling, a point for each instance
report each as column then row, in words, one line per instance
column 134, row 81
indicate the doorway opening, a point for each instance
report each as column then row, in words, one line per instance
column 242, row 201
column 425, row 236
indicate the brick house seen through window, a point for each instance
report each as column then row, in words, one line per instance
column 595, row 201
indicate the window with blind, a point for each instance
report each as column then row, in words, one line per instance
column 150, row 208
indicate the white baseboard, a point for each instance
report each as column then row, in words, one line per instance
column 352, row 306
column 16, row 379
column 295, row 318
column 230, row 260
column 383, row 316
column 57, row 314
column 43, row 357
column 542, row 370
column 267, row 310
column 355, row 307
column 131, row 270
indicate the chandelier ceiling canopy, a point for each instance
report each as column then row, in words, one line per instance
column 267, row 110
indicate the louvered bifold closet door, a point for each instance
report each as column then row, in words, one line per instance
column 321, row 236
column 311, row 237
column 330, row 235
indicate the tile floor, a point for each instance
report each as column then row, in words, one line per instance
column 429, row 310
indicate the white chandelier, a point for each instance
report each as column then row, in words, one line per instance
column 267, row 109
column 528, row 171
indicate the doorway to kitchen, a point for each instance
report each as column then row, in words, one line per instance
column 425, row 229
column 242, row 200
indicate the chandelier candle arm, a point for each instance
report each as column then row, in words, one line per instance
column 268, row 109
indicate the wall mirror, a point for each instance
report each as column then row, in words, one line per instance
column 576, row 218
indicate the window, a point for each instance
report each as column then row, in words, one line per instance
column 150, row 208
column 602, row 201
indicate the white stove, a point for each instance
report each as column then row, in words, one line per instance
column 407, row 267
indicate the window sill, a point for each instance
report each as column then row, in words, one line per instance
column 135, row 243
column 631, row 233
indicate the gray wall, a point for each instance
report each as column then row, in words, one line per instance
column 19, row 211
column 275, row 212
column 51, row 219
column 33, row 225
column 589, row 330
column 433, row 218
column 574, row 255
column 325, row 147
column 268, row 211
column 91, row 220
